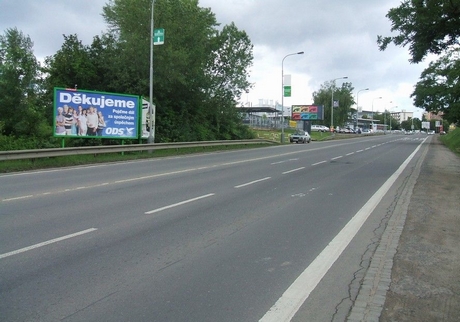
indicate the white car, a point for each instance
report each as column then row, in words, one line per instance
column 319, row 128
column 300, row 137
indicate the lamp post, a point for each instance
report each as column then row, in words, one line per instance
column 390, row 115
column 282, row 92
column 151, row 138
column 385, row 119
column 377, row 98
column 357, row 105
column 332, row 101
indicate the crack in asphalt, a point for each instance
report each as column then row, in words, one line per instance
column 344, row 307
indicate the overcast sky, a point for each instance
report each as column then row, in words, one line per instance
column 337, row 36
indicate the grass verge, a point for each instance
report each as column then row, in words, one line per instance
column 452, row 140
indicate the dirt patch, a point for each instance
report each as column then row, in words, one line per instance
column 426, row 271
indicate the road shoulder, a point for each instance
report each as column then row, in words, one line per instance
column 425, row 278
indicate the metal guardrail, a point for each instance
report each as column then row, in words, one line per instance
column 57, row 152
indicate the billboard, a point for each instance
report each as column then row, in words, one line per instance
column 145, row 118
column 307, row 112
column 80, row 113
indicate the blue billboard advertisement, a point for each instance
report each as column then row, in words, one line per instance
column 80, row 113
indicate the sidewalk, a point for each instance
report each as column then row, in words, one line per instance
column 415, row 272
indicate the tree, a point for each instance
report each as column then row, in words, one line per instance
column 343, row 94
column 427, row 26
column 20, row 83
column 439, row 87
column 199, row 72
column 431, row 27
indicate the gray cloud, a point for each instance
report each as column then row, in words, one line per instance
column 338, row 37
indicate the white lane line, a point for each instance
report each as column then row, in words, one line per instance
column 178, row 204
column 337, row 158
column 280, row 162
column 293, row 298
column 293, row 170
column 351, row 153
column 18, row 198
column 359, row 151
column 319, row 162
column 252, row 182
column 25, row 249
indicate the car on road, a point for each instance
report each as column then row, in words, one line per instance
column 300, row 136
column 319, row 128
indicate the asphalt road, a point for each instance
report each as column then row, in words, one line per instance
column 211, row 237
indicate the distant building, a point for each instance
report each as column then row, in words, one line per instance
column 432, row 116
column 402, row 116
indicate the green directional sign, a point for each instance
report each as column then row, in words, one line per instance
column 159, row 36
column 287, row 91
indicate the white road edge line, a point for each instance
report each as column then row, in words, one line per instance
column 178, row 204
column 25, row 249
column 252, row 182
column 293, row 298
column 293, row 170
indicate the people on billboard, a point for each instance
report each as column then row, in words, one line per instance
column 68, row 116
column 82, row 123
column 100, row 123
column 60, row 121
column 92, row 121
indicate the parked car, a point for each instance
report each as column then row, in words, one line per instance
column 300, row 137
column 319, row 128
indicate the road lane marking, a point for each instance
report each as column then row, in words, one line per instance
column 351, row 153
column 293, row 298
column 252, row 182
column 18, row 198
column 337, row 158
column 293, row 170
column 52, row 241
column 319, row 162
column 178, row 204
column 284, row 161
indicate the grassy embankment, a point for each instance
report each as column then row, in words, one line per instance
column 452, row 140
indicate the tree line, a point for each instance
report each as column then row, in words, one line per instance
column 200, row 73
column 431, row 28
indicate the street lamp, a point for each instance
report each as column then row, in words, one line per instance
column 357, row 105
column 377, row 98
column 332, row 101
column 385, row 119
column 391, row 116
column 151, row 138
column 282, row 92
